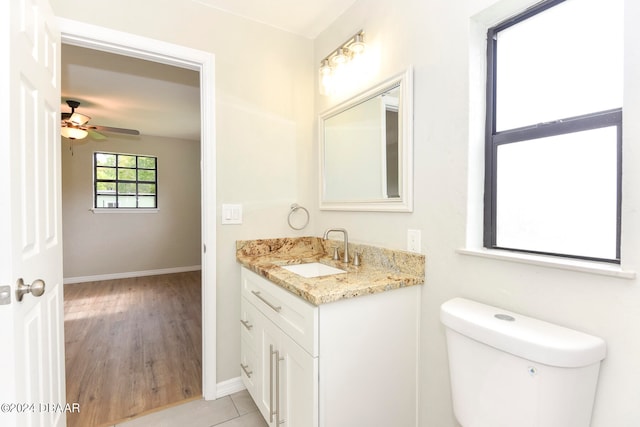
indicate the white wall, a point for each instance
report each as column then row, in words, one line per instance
column 267, row 159
column 264, row 116
column 445, row 47
column 102, row 244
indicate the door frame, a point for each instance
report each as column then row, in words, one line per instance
column 104, row 39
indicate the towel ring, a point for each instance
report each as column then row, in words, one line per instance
column 294, row 208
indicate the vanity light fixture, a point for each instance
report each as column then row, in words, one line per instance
column 333, row 64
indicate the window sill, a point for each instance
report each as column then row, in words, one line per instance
column 552, row 262
column 122, row 210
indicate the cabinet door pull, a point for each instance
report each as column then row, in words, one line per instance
column 261, row 298
column 271, row 411
column 246, row 324
column 278, row 359
column 246, row 370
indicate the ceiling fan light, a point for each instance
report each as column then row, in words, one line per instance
column 73, row 133
column 79, row 119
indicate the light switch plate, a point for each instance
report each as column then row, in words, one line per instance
column 231, row 214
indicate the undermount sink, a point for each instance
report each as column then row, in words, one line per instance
column 312, row 269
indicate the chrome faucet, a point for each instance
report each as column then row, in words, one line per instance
column 345, row 257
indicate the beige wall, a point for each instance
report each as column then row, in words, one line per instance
column 267, row 159
column 264, row 120
column 102, row 244
column 436, row 38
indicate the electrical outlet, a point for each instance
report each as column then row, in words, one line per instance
column 413, row 241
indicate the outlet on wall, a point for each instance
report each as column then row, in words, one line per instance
column 413, row 241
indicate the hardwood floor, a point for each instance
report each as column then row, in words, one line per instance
column 132, row 346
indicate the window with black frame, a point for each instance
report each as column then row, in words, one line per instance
column 553, row 150
column 125, row 181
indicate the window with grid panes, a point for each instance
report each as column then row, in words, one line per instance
column 125, row 181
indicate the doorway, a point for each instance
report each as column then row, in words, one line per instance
column 133, row 329
column 98, row 38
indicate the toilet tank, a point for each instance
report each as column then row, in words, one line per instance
column 511, row 370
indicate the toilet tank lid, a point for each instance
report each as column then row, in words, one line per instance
column 523, row 336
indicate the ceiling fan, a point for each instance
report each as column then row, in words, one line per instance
column 76, row 126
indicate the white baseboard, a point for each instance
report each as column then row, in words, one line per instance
column 129, row 274
column 228, row 387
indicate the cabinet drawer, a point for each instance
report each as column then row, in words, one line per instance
column 249, row 367
column 296, row 317
column 248, row 320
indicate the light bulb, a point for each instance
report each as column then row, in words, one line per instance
column 325, row 78
column 358, row 46
column 340, row 57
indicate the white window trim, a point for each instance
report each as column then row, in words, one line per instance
column 124, row 210
column 584, row 266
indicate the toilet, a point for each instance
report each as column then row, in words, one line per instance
column 509, row 370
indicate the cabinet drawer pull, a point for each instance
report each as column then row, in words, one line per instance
column 261, row 298
column 246, row 324
column 246, row 370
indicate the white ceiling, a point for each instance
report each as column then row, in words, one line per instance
column 304, row 17
column 125, row 92
column 162, row 100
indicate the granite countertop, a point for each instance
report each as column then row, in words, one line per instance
column 380, row 269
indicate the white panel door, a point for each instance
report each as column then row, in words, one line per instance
column 298, row 394
column 267, row 346
column 287, row 381
column 32, row 390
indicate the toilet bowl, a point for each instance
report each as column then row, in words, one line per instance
column 510, row 370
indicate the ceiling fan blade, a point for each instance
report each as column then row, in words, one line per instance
column 115, row 130
column 96, row 135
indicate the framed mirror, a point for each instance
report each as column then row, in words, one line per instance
column 366, row 150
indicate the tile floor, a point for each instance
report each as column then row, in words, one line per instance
column 236, row 410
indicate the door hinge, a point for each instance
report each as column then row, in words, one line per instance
column 205, row 248
column 5, row 295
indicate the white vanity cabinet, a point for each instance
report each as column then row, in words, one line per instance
column 346, row 363
column 280, row 375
